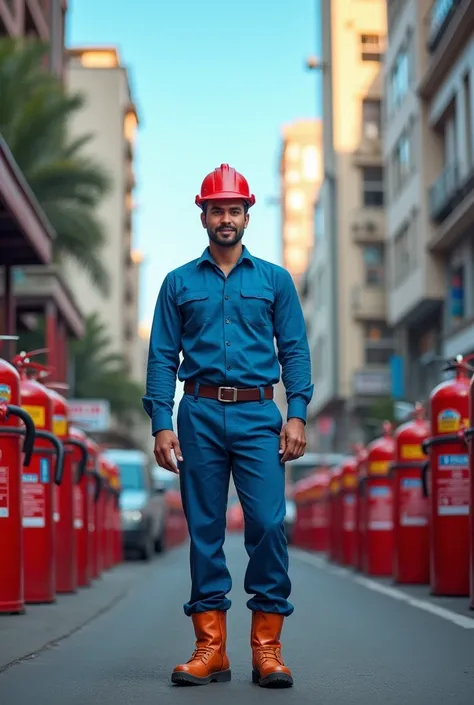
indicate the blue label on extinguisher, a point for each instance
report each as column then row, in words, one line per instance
column 44, row 470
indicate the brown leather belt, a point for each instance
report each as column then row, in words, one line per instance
column 229, row 394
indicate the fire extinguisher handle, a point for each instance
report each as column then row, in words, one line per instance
column 84, row 457
column 468, row 433
column 424, row 477
column 98, row 484
column 54, row 440
column 29, row 441
column 441, row 440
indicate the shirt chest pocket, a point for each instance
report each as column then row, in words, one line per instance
column 194, row 309
column 256, row 306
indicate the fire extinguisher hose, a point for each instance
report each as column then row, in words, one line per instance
column 81, row 468
column 424, row 477
column 441, row 440
column 59, row 448
column 28, row 432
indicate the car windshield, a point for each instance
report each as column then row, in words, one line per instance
column 132, row 476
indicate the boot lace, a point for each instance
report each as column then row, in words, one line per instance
column 270, row 652
column 203, row 653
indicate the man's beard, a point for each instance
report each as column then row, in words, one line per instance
column 226, row 241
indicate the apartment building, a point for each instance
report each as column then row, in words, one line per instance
column 44, row 19
column 300, row 178
column 110, row 114
column 429, row 163
column 344, row 288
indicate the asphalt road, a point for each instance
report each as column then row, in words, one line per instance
column 348, row 643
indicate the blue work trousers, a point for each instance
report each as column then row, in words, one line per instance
column 243, row 438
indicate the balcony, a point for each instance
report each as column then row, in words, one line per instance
column 368, row 152
column 451, row 205
column 367, row 226
column 368, row 303
column 448, row 26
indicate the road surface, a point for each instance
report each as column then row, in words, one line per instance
column 351, row 641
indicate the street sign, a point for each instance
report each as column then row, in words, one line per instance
column 90, row 414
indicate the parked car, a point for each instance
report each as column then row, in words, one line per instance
column 142, row 503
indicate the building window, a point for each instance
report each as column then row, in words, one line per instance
column 378, row 343
column 399, row 79
column 295, row 199
column 373, row 188
column 374, row 265
column 371, row 47
column 402, row 160
column 371, row 119
column 311, row 163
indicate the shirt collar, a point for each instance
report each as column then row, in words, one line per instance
column 207, row 257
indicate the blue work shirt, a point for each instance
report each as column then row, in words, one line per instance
column 226, row 328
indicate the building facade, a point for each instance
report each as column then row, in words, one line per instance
column 110, row 114
column 429, row 162
column 344, row 289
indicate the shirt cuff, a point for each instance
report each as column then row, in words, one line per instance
column 161, row 421
column 297, row 409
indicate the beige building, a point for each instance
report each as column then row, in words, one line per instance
column 110, row 114
column 300, row 178
column 344, row 289
column 429, row 161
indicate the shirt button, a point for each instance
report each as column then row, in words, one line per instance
column 227, row 320
column 227, row 298
column 228, row 342
column 229, row 367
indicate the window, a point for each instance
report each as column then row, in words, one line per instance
column 399, row 79
column 374, row 265
column 371, row 119
column 405, row 250
column 311, row 163
column 373, row 189
column 295, row 199
column 457, row 294
column 402, row 159
column 371, row 47
column 379, row 344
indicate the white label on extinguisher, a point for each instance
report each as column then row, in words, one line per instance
column 414, row 508
column 4, row 498
column 34, row 509
column 380, row 509
column 78, row 518
column 453, row 485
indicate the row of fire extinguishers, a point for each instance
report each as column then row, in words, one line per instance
column 403, row 507
column 59, row 496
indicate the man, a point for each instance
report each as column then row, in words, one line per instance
column 224, row 311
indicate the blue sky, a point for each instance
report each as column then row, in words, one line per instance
column 213, row 82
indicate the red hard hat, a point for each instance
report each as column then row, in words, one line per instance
column 224, row 182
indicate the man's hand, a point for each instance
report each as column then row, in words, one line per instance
column 165, row 442
column 292, row 440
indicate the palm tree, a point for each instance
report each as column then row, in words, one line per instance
column 34, row 114
column 100, row 373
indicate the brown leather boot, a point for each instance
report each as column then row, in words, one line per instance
column 209, row 662
column 268, row 668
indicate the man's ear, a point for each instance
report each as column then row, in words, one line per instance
column 203, row 219
column 247, row 218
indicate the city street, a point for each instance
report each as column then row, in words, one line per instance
column 351, row 641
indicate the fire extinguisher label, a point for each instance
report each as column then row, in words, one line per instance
column 380, row 509
column 34, row 509
column 78, row 514
column 453, row 485
column 59, row 425
column 411, row 451
column 44, row 470
column 5, row 392
column 4, row 499
column 449, row 420
column 37, row 414
column 414, row 508
column 349, row 515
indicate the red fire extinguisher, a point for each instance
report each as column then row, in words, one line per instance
column 319, row 511
column 94, row 494
column 335, row 515
column 37, row 486
column 348, row 498
column 469, row 436
column 360, row 519
column 378, row 539
column 11, row 462
column 78, row 441
column 410, row 508
column 449, row 495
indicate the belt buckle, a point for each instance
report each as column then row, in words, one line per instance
column 227, row 401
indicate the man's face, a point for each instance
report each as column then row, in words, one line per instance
column 225, row 221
